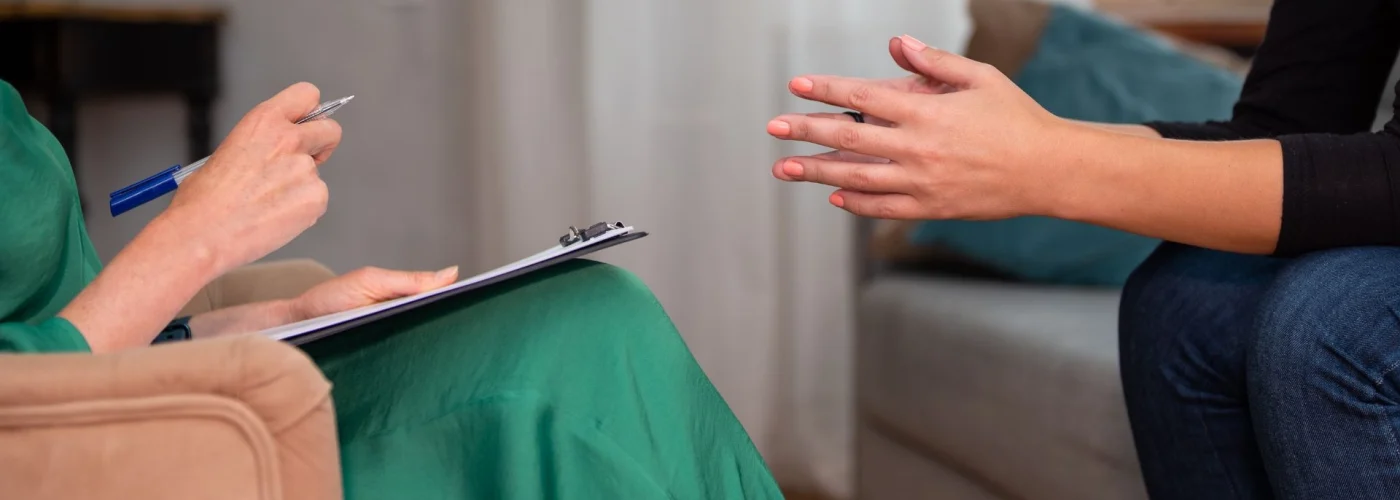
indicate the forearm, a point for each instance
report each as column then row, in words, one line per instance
column 245, row 318
column 142, row 289
column 1221, row 195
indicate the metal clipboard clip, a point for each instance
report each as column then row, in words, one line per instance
column 576, row 235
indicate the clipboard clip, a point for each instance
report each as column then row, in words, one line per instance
column 576, row 235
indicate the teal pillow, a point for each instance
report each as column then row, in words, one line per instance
column 1089, row 67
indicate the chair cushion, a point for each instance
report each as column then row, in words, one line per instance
column 1015, row 385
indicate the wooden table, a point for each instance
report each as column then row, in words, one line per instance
column 61, row 54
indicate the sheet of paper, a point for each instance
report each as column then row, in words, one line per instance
column 292, row 330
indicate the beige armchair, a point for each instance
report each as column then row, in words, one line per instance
column 232, row 418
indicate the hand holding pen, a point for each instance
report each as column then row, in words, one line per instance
column 261, row 188
column 169, row 179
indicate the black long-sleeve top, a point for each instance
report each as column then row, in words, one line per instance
column 1315, row 86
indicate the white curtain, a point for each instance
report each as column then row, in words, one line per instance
column 652, row 113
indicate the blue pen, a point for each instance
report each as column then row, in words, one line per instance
column 167, row 180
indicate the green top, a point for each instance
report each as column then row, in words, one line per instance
column 46, row 257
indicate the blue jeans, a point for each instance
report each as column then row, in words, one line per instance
column 1260, row 378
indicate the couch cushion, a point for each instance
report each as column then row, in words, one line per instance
column 1015, row 385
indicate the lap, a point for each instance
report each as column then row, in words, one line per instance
column 569, row 379
column 1189, row 304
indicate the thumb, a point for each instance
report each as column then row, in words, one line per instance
column 430, row 281
column 940, row 65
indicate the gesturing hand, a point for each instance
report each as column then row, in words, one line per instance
column 960, row 138
column 261, row 188
column 364, row 287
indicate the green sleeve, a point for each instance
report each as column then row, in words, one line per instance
column 49, row 336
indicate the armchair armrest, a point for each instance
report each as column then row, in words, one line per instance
column 232, row 418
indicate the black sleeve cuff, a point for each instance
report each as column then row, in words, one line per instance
column 1338, row 191
column 1209, row 131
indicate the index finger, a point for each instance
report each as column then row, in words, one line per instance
column 295, row 101
column 854, row 94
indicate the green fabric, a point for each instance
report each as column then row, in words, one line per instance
column 568, row 384
column 45, row 255
column 571, row 383
column 1092, row 68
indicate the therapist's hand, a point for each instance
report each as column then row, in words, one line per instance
column 366, row 286
column 261, row 187
column 962, row 144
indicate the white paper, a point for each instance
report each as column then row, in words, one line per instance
column 285, row 332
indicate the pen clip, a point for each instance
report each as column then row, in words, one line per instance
column 576, row 235
column 143, row 182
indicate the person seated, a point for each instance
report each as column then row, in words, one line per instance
column 569, row 383
column 1260, row 345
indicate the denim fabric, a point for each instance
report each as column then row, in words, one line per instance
column 1260, row 378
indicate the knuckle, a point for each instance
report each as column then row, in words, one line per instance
column 801, row 129
column 289, row 141
column 320, row 195
column 861, row 96
column 985, row 70
column 305, row 164
column 849, row 138
column 937, row 56
column 884, row 210
column 860, row 178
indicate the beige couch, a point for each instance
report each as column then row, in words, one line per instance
column 243, row 418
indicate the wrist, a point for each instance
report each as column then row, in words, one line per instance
column 1062, row 186
column 195, row 255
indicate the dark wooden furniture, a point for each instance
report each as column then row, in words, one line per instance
column 60, row 54
column 1237, row 25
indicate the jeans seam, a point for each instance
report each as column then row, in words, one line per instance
column 1382, row 411
column 1215, row 452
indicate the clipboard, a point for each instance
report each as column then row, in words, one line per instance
column 572, row 245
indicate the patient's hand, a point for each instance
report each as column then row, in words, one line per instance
column 364, row 287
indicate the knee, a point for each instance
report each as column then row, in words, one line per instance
column 610, row 303
column 1330, row 308
column 1183, row 313
column 583, row 285
column 1162, row 299
column 1156, row 277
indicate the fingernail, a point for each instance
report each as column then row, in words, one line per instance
column 447, row 273
column 913, row 43
column 837, row 200
column 779, row 127
column 803, row 84
column 792, row 168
